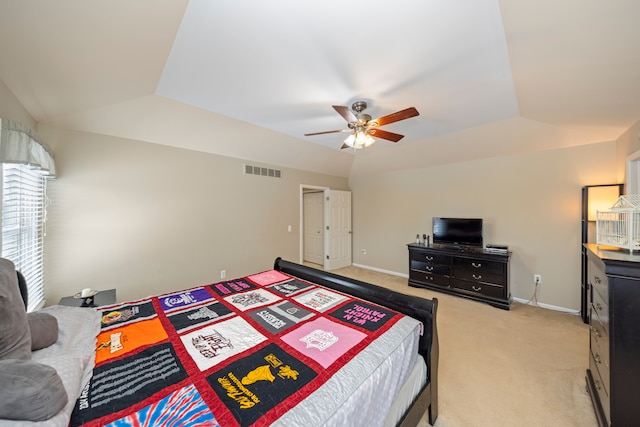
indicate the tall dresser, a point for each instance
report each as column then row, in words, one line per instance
column 613, row 377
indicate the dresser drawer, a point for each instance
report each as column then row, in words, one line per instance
column 603, row 367
column 479, row 265
column 429, row 257
column 601, row 389
column 430, row 268
column 429, row 278
column 482, row 288
column 601, row 309
column 598, row 281
column 599, row 336
column 480, row 276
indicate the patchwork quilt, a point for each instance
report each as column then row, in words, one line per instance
column 234, row 353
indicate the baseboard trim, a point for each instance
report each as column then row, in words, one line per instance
column 520, row 300
column 547, row 306
column 380, row 270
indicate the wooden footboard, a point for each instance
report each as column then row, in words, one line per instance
column 421, row 309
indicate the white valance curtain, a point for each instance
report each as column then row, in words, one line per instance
column 20, row 144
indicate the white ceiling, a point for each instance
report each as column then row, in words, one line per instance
column 248, row 78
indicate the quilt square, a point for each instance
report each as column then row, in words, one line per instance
column 292, row 311
column 268, row 277
column 118, row 341
column 124, row 382
column 255, row 384
column 272, row 321
column 232, row 287
column 127, row 313
column 184, row 298
column 183, row 407
column 323, row 340
column 320, row 299
column 368, row 316
column 252, row 299
column 290, row 287
column 189, row 319
column 213, row 344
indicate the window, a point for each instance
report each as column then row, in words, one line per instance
column 23, row 218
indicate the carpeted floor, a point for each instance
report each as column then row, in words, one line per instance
column 522, row 367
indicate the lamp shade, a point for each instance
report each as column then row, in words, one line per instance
column 601, row 198
column 359, row 139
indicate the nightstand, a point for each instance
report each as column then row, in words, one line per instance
column 106, row 297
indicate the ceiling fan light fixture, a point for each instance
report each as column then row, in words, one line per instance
column 361, row 126
column 350, row 141
column 359, row 139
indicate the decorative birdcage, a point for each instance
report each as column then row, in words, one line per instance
column 620, row 225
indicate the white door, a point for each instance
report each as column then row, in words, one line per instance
column 338, row 229
column 313, row 214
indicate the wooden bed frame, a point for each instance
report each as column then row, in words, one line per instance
column 421, row 309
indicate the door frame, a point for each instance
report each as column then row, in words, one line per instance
column 632, row 178
column 303, row 188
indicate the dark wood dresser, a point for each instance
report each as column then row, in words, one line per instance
column 471, row 273
column 613, row 377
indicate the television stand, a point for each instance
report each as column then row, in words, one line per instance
column 475, row 274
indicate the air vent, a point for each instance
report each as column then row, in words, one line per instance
column 262, row 171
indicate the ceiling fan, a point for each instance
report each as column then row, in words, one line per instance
column 362, row 127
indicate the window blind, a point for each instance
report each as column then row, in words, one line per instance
column 23, row 217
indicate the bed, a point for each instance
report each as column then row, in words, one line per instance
column 285, row 347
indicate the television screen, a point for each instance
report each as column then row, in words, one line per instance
column 457, row 231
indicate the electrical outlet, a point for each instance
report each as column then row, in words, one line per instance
column 537, row 279
column 223, row 274
column 364, row 252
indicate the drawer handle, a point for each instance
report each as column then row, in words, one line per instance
column 478, row 277
column 597, row 280
column 595, row 331
column 476, row 264
column 597, row 384
column 428, row 268
column 598, row 306
column 476, row 288
column 428, row 258
column 597, row 358
column 429, row 278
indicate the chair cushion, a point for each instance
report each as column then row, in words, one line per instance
column 43, row 328
column 15, row 337
column 30, row 391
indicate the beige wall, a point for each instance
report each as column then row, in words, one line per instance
column 628, row 143
column 12, row 109
column 529, row 202
column 146, row 218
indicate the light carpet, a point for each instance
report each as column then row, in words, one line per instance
column 521, row 367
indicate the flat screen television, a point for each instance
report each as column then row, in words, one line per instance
column 457, row 231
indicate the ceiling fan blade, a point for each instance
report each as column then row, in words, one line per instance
column 397, row 116
column 322, row 133
column 390, row 136
column 346, row 113
column 344, row 146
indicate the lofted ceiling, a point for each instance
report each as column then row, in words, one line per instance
column 248, row 78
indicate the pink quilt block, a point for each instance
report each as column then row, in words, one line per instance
column 323, row 340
